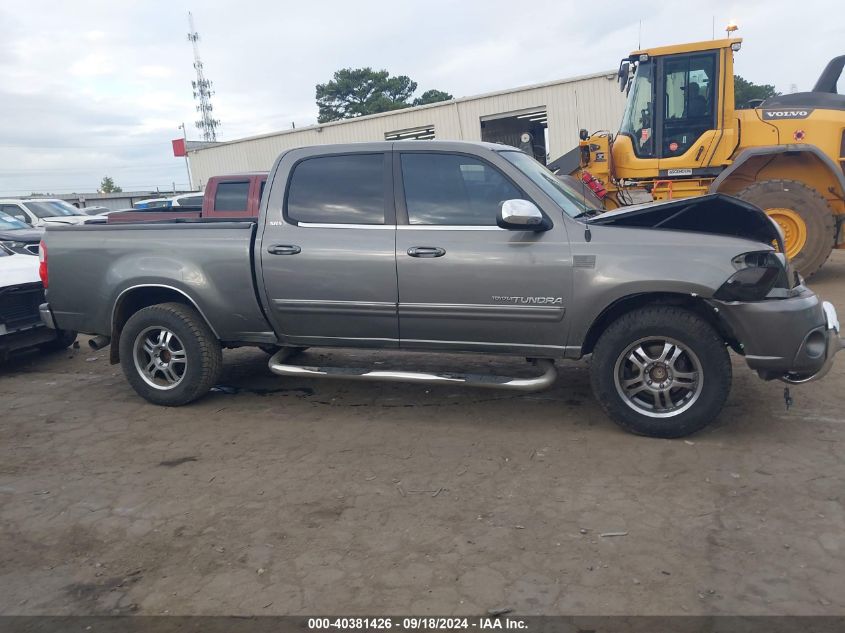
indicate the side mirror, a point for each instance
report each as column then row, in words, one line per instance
column 624, row 75
column 521, row 215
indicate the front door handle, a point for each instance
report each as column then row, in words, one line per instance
column 284, row 249
column 426, row 251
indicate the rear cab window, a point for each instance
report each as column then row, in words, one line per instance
column 341, row 189
column 232, row 196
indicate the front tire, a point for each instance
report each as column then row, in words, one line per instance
column 661, row 372
column 169, row 355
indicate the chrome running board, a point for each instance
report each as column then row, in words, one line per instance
column 546, row 379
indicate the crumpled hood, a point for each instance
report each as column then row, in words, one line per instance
column 713, row 214
column 18, row 269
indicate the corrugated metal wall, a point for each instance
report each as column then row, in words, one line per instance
column 593, row 102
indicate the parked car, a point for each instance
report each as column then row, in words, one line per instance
column 42, row 211
column 19, row 237
column 21, row 294
column 450, row 247
column 231, row 196
column 188, row 201
column 153, row 203
column 103, row 217
column 96, row 210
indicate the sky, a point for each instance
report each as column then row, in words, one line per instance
column 92, row 88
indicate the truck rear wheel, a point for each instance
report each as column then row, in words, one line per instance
column 169, row 354
column 661, row 372
column 804, row 217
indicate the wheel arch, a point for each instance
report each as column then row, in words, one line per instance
column 806, row 163
column 629, row 303
column 141, row 296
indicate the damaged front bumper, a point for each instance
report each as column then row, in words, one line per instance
column 794, row 340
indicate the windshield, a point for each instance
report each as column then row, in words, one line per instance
column 8, row 223
column 639, row 110
column 567, row 197
column 51, row 208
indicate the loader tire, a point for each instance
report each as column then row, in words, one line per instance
column 803, row 215
column 169, row 354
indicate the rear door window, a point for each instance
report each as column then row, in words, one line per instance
column 348, row 189
column 231, row 196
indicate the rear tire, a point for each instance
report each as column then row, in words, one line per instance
column 791, row 203
column 169, row 354
column 684, row 366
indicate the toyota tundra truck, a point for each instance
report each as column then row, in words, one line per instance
column 449, row 247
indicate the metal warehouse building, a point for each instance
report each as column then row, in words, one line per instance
column 542, row 119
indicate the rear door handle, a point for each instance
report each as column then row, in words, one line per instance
column 426, row 251
column 284, row 249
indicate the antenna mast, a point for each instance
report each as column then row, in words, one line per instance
column 207, row 124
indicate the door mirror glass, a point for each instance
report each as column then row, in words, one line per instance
column 521, row 215
column 22, row 217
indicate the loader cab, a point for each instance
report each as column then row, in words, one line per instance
column 675, row 107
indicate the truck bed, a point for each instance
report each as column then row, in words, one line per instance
column 209, row 263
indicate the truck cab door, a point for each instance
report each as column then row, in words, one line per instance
column 325, row 251
column 464, row 283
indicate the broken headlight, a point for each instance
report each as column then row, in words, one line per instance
column 757, row 274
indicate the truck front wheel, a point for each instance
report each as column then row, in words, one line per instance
column 169, row 354
column 661, row 372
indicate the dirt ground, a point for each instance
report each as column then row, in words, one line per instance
column 289, row 496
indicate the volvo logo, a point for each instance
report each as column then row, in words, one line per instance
column 787, row 114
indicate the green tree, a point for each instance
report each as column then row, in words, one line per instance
column 108, row 186
column 432, row 96
column 746, row 91
column 355, row 92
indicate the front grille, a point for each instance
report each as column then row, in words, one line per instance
column 19, row 305
column 32, row 248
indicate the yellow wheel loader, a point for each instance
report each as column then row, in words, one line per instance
column 681, row 136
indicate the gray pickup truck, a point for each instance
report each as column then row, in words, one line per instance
column 449, row 247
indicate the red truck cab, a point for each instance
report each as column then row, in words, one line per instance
column 230, row 196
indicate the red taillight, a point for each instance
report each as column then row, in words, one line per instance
column 42, row 265
column 594, row 184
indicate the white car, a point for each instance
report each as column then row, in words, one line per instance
column 21, row 295
column 188, row 200
column 153, row 203
column 43, row 211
